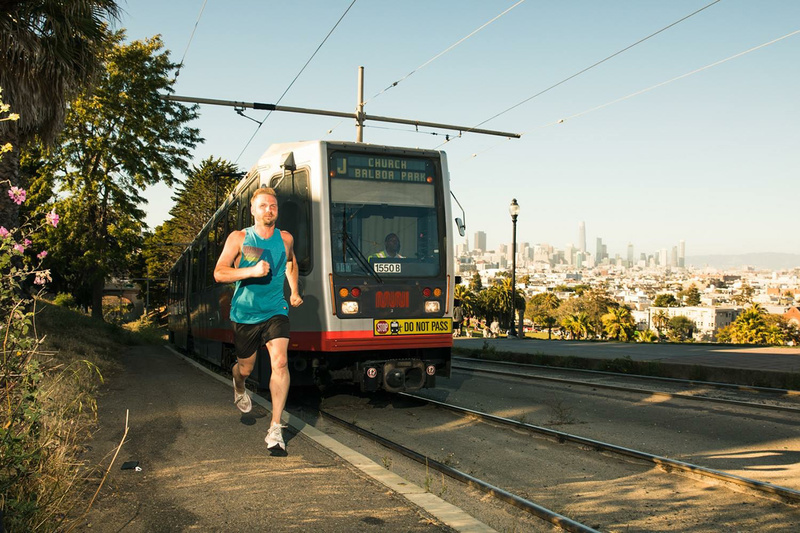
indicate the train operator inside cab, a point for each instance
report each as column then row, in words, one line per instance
column 391, row 247
column 258, row 259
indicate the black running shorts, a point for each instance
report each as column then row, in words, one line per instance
column 248, row 337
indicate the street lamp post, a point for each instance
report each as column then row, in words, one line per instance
column 513, row 210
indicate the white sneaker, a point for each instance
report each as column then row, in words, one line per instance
column 242, row 400
column 274, row 439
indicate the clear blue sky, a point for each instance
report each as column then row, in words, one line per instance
column 712, row 158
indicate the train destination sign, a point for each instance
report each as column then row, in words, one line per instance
column 380, row 168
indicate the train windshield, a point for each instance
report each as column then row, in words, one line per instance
column 384, row 221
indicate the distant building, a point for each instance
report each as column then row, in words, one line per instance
column 707, row 320
column 582, row 237
column 480, row 241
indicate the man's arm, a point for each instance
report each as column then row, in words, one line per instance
column 226, row 271
column 292, row 272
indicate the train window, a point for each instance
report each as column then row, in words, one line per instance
column 219, row 238
column 232, row 222
column 210, row 260
column 294, row 213
column 201, row 260
column 384, row 217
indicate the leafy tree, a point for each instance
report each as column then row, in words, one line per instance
column 51, row 51
column 691, row 296
column 618, row 323
column 665, row 300
column 117, row 140
column 744, row 296
column 196, row 201
column 541, row 309
column 680, row 328
column 475, row 283
column 581, row 288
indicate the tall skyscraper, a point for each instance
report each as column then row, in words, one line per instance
column 480, row 241
column 682, row 254
column 630, row 254
column 582, row 237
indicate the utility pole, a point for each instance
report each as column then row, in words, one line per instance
column 360, row 107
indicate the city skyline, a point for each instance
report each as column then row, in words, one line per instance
column 673, row 254
column 601, row 250
column 650, row 136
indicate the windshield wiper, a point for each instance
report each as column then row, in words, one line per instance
column 360, row 259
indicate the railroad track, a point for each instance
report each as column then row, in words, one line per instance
column 422, row 441
column 667, row 464
column 521, row 370
column 565, row 523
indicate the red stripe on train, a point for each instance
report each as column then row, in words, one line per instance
column 340, row 341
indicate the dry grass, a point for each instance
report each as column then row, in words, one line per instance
column 42, row 440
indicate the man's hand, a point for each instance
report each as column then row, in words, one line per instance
column 295, row 300
column 260, row 269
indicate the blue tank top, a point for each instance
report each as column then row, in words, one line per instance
column 256, row 300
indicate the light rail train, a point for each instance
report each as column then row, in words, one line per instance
column 370, row 319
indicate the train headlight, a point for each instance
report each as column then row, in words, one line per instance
column 349, row 308
column 432, row 306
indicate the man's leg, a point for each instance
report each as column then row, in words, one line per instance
column 279, row 380
column 242, row 369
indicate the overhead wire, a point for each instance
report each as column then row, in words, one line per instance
column 443, row 52
column 640, row 41
column 653, row 87
column 295, row 78
column 431, row 60
column 186, row 51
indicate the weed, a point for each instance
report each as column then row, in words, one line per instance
column 560, row 412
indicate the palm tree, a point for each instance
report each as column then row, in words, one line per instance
column 584, row 325
column 660, row 320
column 618, row 323
column 549, row 322
column 50, row 52
column 645, row 336
column 570, row 325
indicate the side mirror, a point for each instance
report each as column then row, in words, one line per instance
column 461, row 227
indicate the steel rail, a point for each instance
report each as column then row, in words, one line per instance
column 715, row 384
column 739, row 403
column 761, row 486
column 535, row 509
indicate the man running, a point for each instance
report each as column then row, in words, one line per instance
column 258, row 259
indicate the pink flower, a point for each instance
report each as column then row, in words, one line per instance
column 53, row 218
column 42, row 254
column 4, row 232
column 17, row 195
column 19, row 248
column 26, row 242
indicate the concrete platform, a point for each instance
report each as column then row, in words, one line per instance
column 205, row 466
